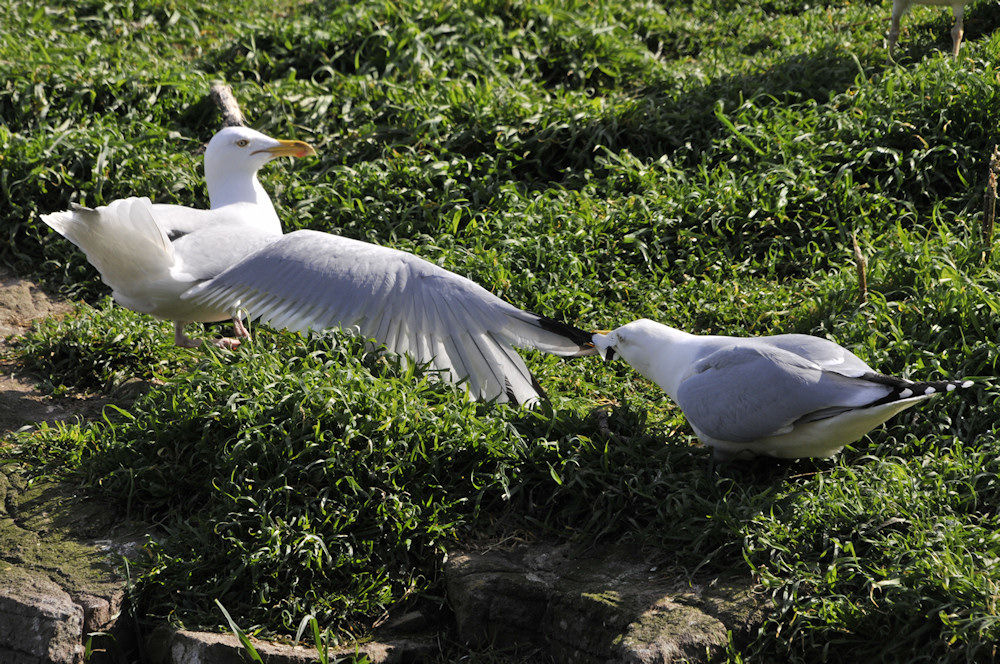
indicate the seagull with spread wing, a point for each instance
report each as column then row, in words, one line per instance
column 151, row 254
column 207, row 265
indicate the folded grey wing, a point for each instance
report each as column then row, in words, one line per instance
column 311, row 280
column 744, row 393
column 823, row 352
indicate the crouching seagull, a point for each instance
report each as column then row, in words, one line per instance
column 786, row 396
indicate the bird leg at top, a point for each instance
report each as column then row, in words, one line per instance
column 241, row 332
column 240, row 329
column 958, row 31
column 900, row 7
column 897, row 14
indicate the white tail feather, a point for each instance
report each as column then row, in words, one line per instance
column 121, row 240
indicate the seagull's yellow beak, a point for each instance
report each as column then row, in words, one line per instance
column 289, row 149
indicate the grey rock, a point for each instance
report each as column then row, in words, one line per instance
column 174, row 646
column 608, row 606
column 39, row 622
column 58, row 585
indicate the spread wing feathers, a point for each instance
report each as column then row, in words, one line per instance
column 308, row 279
column 742, row 393
column 121, row 240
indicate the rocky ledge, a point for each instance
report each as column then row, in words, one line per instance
column 60, row 592
column 62, row 589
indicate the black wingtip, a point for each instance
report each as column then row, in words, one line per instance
column 906, row 389
column 582, row 338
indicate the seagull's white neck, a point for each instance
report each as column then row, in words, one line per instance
column 674, row 365
column 227, row 187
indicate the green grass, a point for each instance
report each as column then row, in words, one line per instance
column 703, row 164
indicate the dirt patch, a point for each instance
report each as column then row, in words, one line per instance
column 21, row 403
column 22, row 301
column 60, row 549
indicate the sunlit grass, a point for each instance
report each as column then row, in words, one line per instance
column 702, row 164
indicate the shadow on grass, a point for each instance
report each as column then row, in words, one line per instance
column 609, row 475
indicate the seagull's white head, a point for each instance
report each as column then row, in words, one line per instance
column 656, row 351
column 636, row 338
column 232, row 159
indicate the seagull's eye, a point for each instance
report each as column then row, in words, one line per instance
column 243, row 142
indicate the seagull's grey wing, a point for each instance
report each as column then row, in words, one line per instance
column 745, row 392
column 823, row 352
column 309, row 279
column 207, row 252
column 178, row 220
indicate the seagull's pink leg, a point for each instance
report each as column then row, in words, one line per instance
column 899, row 8
column 241, row 333
column 958, row 30
column 181, row 339
column 184, row 341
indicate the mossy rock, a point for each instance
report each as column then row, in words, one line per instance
column 60, row 569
